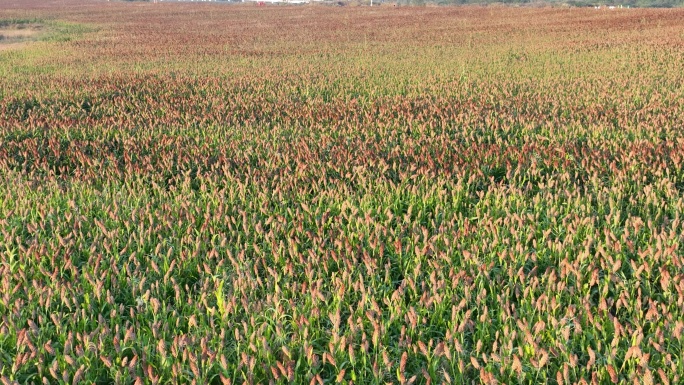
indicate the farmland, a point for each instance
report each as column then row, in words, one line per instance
column 196, row 193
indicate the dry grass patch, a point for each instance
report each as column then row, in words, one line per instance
column 8, row 46
column 16, row 36
column 24, row 33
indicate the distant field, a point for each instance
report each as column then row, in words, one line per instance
column 241, row 194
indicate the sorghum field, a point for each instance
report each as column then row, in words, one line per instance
column 196, row 193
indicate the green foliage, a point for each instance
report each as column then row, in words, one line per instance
column 573, row 3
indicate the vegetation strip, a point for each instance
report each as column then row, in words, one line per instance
column 213, row 194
